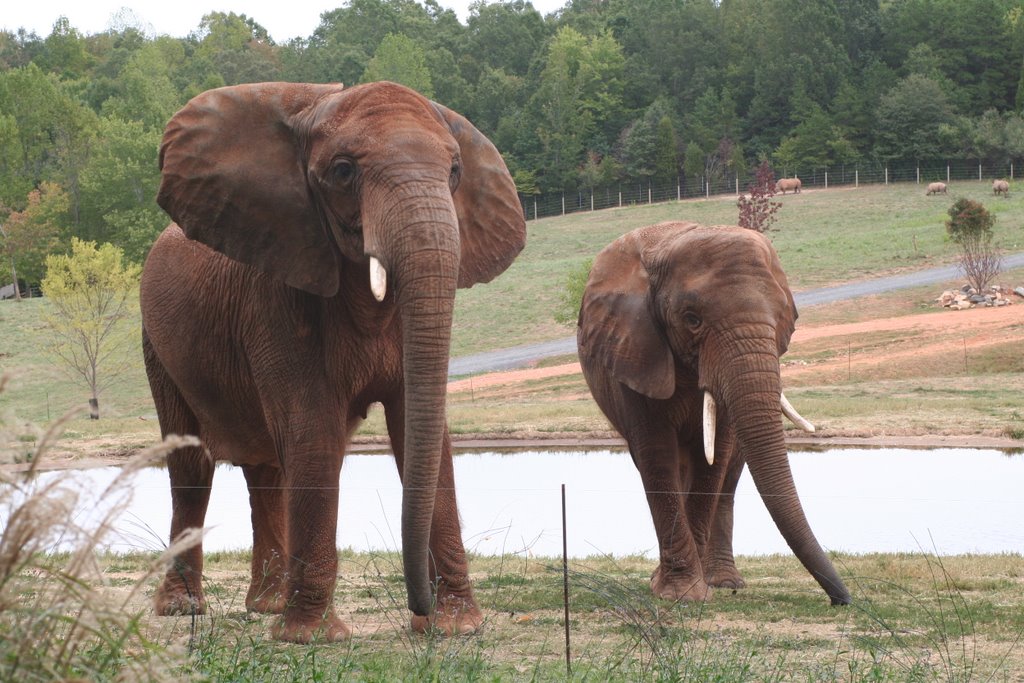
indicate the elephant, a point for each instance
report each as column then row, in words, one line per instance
column 1001, row 187
column 936, row 188
column 319, row 236
column 788, row 184
column 680, row 331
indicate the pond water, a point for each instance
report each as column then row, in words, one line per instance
column 946, row 501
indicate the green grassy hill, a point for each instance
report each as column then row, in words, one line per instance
column 823, row 237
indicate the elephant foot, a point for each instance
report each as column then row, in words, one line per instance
column 175, row 600
column 301, row 629
column 265, row 600
column 679, row 587
column 724, row 577
column 454, row 615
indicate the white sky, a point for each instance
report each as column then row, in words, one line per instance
column 283, row 19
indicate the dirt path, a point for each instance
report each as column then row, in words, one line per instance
column 974, row 328
column 946, row 336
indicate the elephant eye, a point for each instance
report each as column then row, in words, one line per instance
column 455, row 175
column 343, row 170
column 692, row 320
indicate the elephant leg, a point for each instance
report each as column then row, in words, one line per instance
column 269, row 539
column 311, row 480
column 679, row 575
column 191, row 475
column 706, row 483
column 456, row 610
column 719, row 563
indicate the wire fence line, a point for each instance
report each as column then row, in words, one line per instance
column 651, row 191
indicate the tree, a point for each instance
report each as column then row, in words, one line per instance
column 757, row 210
column 26, row 237
column 240, row 49
column 400, row 59
column 94, row 297
column 569, row 301
column 580, row 86
column 118, row 185
column 910, row 117
column 147, row 93
column 970, row 226
column 649, row 147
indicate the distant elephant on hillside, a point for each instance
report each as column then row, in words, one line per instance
column 936, row 188
column 1001, row 187
column 680, row 332
column 785, row 184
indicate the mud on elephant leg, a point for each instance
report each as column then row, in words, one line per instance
column 269, row 539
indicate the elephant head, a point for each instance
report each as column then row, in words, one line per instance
column 313, row 183
column 687, row 315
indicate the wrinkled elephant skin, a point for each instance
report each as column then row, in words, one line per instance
column 680, row 333
column 264, row 335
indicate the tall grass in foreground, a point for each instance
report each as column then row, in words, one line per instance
column 57, row 621
column 916, row 618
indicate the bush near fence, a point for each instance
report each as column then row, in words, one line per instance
column 648, row 191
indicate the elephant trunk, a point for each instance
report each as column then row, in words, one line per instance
column 751, row 394
column 422, row 260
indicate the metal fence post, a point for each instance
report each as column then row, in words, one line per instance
column 563, row 203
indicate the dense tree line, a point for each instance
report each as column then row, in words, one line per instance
column 600, row 90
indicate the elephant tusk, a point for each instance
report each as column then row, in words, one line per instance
column 789, row 411
column 710, row 425
column 378, row 279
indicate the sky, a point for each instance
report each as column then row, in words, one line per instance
column 283, row 19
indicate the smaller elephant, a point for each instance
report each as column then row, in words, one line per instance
column 680, row 332
column 788, row 184
column 1001, row 187
column 936, row 188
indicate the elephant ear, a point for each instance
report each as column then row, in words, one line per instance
column 786, row 324
column 492, row 228
column 233, row 177
column 616, row 327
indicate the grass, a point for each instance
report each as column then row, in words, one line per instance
column 915, row 616
column 823, row 238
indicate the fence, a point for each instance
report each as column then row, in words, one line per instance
column 631, row 193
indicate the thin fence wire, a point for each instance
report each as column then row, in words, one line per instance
column 653, row 191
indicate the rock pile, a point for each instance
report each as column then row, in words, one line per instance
column 968, row 297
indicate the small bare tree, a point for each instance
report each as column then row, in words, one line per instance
column 970, row 226
column 757, row 210
column 94, row 297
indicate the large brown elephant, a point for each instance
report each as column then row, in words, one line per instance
column 320, row 236
column 680, row 333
